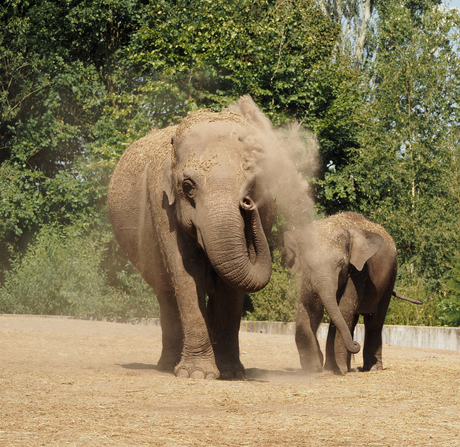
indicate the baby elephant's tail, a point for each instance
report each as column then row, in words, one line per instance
column 406, row 299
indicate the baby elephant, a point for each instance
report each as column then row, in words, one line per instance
column 348, row 266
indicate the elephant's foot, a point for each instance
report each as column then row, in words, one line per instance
column 168, row 361
column 339, row 368
column 375, row 367
column 197, row 369
column 230, row 370
column 311, row 363
column 338, row 364
column 340, row 371
column 330, row 364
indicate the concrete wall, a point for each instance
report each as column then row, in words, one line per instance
column 268, row 327
column 412, row 336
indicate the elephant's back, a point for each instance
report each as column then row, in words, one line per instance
column 150, row 153
column 140, row 165
column 335, row 223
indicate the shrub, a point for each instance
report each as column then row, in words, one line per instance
column 413, row 286
column 61, row 274
column 450, row 301
column 278, row 300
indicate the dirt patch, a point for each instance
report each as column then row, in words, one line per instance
column 81, row 383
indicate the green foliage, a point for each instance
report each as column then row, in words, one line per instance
column 450, row 301
column 64, row 113
column 405, row 173
column 196, row 54
column 412, row 285
column 79, row 81
column 61, row 274
column 205, row 53
column 278, row 300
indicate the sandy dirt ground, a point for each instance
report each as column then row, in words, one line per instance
column 67, row 382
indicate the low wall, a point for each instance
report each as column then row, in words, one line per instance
column 412, row 336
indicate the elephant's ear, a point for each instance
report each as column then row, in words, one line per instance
column 364, row 245
column 168, row 186
column 291, row 248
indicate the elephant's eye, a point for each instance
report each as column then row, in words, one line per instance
column 189, row 188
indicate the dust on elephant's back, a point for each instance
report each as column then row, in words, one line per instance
column 129, row 202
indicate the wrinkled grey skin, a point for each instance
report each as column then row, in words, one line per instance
column 183, row 207
column 348, row 267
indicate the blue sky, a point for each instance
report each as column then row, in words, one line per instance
column 454, row 3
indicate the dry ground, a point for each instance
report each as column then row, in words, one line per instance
column 84, row 383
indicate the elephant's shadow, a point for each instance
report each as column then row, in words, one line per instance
column 252, row 374
column 275, row 375
column 138, row 366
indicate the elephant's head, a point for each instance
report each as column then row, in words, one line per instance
column 326, row 252
column 211, row 182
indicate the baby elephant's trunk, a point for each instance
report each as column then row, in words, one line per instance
column 327, row 291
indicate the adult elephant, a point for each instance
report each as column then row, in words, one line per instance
column 348, row 266
column 187, row 210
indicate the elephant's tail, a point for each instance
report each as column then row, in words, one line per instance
column 411, row 300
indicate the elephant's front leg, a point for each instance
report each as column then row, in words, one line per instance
column 197, row 359
column 309, row 316
column 341, row 359
column 225, row 307
column 338, row 356
column 331, row 364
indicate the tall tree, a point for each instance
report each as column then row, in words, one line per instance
column 354, row 19
column 60, row 112
column 80, row 80
column 208, row 53
column 405, row 173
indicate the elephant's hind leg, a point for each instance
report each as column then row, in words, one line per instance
column 373, row 322
column 171, row 328
column 309, row 317
column 372, row 351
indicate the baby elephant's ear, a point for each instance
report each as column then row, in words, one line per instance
column 168, row 186
column 364, row 245
column 292, row 255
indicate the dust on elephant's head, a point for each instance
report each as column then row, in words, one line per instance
column 210, row 181
column 330, row 245
column 211, row 163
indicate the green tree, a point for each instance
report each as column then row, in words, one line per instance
column 450, row 301
column 63, row 117
column 354, row 19
column 283, row 53
column 81, row 80
column 405, row 174
column 205, row 53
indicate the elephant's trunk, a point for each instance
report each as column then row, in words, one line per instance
column 327, row 291
column 236, row 246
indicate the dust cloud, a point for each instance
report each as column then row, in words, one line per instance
column 284, row 160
